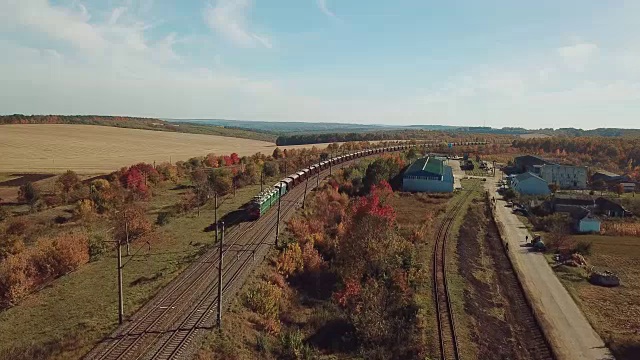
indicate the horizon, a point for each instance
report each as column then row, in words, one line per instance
column 465, row 64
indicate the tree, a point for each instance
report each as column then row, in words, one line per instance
column 133, row 180
column 271, row 169
column 553, row 187
column 29, row 194
column 221, row 182
column 619, row 189
column 131, row 223
column 66, row 183
column 277, row 153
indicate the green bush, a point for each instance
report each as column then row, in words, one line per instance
column 97, row 247
column 292, row 346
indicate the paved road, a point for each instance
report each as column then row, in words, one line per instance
column 568, row 330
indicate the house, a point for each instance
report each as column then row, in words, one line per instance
column 569, row 203
column 628, row 186
column 584, row 222
column 429, row 174
column 606, row 176
column 525, row 163
column 565, row 176
column 610, row 208
column 529, row 184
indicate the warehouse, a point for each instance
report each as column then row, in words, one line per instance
column 530, row 184
column 429, row 174
column 565, row 176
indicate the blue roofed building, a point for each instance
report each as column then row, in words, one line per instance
column 429, row 174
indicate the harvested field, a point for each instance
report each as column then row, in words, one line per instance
column 613, row 312
column 55, row 148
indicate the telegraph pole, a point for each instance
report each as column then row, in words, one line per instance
column 304, row 197
column 220, row 265
column 126, row 229
column 120, row 295
column 278, row 220
column 261, row 178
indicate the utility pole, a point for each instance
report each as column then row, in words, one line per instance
column 220, row 265
column 215, row 211
column 318, row 176
column 304, row 197
column 330, row 159
column 261, row 178
column 278, row 220
column 126, row 229
column 120, row 295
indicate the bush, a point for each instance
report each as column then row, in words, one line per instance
column 583, row 248
column 163, row 218
column 5, row 213
column 97, row 247
column 16, row 278
column 292, row 346
column 61, row 254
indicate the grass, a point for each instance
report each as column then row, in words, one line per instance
column 613, row 312
column 66, row 318
column 6, row 176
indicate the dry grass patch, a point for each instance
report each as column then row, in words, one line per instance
column 614, row 312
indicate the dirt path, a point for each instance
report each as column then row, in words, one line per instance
column 568, row 330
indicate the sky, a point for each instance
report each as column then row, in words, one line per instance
column 500, row 63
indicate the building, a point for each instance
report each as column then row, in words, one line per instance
column 610, row 208
column 429, row 174
column 569, row 203
column 525, row 163
column 529, row 184
column 628, row 186
column 565, row 176
column 584, row 222
column 607, row 177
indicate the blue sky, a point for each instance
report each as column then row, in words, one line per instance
column 500, row 63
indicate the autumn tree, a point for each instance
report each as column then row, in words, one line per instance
column 66, row 183
column 277, row 153
column 29, row 194
column 131, row 224
column 619, row 189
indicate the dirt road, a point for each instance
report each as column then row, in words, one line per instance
column 568, row 330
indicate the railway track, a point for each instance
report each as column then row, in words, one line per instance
column 529, row 329
column 164, row 327
column 448, row 343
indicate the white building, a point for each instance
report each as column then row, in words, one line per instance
column 565, row 176
column 530, row 184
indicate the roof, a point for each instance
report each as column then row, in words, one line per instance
column 528, row 175
column 609, row 204
column 573, row 199
column 606, row 173
column 430, row 165
column 532, row 159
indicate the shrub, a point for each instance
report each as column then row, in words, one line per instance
column 292, row 346
column 97, row 247
column 5, row 213
column 264, row 299
column 10, row 245
column 583, row 248
column 61, row 254
column 29, row 194
column 290, row 260
column 85, row 209
column 163, row 218
column 15, row 278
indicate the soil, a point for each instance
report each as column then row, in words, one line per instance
column 498, row 325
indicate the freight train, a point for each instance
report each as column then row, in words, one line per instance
column 261, row 203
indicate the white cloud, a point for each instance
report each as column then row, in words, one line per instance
column 229, row 18
column 577, row 57
column 322, row 4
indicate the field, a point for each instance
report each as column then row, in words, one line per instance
column 91, row 149
column 96, row 149
column 614, row 312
